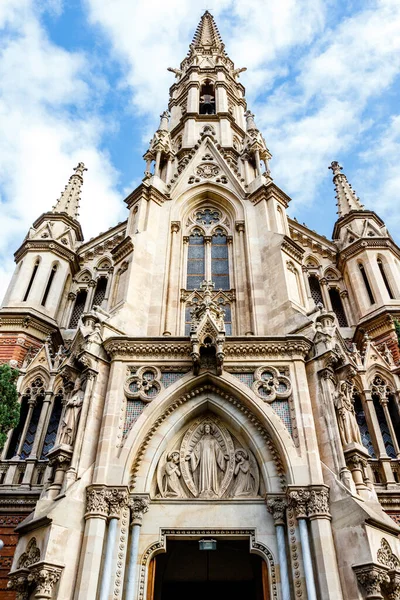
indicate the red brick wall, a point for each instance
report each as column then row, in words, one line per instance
column 10, row 538
column 14, row 346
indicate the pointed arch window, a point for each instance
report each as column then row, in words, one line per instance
column 54, row 422
column 31, row 407
column 100, row 292
column 79, row 307
column 207, row 99
column 385, row 279
column 32, row 279
column 362, row 425
column 49, row 283
column 337, row 307
column 315, row 289
column 219, row 260
column 366, row 283
column 196, row 260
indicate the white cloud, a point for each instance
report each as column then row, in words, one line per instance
column 42, row 138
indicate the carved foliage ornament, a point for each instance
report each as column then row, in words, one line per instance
column 270, row 385
column 207, row 170
column 30, row 556
column 144, row 385
column 105, row 502
column 208, row 464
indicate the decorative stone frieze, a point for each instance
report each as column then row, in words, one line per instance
column 139, row 505
column 277, row 507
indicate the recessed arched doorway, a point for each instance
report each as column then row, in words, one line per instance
column 188, row 571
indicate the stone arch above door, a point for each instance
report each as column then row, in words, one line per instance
column 245, row 431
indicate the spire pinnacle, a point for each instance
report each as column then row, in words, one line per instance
column 347, row 199
column 207, row 33
column 70, row 197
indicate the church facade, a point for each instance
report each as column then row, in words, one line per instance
column 210, row 391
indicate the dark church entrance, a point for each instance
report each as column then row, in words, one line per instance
column 185, row 572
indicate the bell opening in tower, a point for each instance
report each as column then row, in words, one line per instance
column 188, row 571
column 207, row 99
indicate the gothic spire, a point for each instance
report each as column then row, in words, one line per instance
column 207, row 33
column 70, row 197
column 347, row 199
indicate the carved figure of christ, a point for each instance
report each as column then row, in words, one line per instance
column 207, row 456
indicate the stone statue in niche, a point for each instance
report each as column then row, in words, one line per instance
column 246, row 476
column 209, row 464
column 348, row 427
column 168, row 476
column 71, row 415
column 205, row 459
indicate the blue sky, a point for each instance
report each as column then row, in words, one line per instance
column 86, row 80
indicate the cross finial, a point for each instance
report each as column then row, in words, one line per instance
column 335, row 167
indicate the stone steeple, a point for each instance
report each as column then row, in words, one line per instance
column 69, row 200
column 207, row 33
column 347, row 199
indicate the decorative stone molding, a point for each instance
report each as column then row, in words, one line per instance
column 139, row 505
column 386, row 557
column 371, row 576
column 277, row 507
column 117, row 499
column 45, row 576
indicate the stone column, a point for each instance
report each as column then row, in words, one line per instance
column 89, row 298
column 139, row 505
column 157, row 167
column 325, row 294
column 298, row 500
column 277, row 507
column 207, row 257
column 246, row 321
column 116, row 499
column 31, row 404
column 39, row 436
column 173, row 281
column 325, row 553
column 344, row 294
column 45, row 576
column 68, row 309
column 257, row 160
column 384, row 403
column 92, row 544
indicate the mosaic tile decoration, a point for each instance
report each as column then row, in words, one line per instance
column 168, row 378
column 134, row 409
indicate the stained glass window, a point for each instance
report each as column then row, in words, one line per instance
column 52, row 428
column 196, row 261
column 363, row 427
column 387, row 438
column 219, row 261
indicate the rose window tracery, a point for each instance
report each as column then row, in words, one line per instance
column 207, row 216
column 270, row 385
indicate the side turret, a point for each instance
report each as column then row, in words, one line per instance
column 45, row 262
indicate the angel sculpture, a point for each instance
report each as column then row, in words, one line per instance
column 168, row 477
column 246, row 475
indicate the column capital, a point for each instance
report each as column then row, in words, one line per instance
column 318, row 505
column 371, row 576
column 96, row 502
column 139, row 505
column 239, row 226
column 276, row 505
column 298, row 499
column 117, row 499
column 71, row 296
column 45, row 575
column 18, row 582
column 175, row 226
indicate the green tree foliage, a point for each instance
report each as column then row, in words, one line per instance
column 9, row 406
column 397, row 327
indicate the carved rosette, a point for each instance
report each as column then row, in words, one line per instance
column 372, row 577
column 144, row 385
column 318, row 505
column 277, row 507
column 298, row 500
column 139, row 505
column 45, row 576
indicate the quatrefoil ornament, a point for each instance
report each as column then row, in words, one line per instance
column 144, row 384
column 270, row 385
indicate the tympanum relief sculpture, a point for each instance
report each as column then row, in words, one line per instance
column 207, row 462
